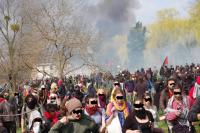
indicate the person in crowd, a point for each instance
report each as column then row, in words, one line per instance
column 91, row 89
column 8, row 109
column 77, row 93
column 74, row 120
column 129, row 88
column 177, row 111
column 140, row 120
column 141, row 86
column 51, row 115
column 148, row 105
column 61, row 89
column 53, row 93
column 92, row 109
column 167, row 93
column 159, row 86
column 194, row 92
column 194, row 114
column 118, row 107
column 101, row 98
column 31, row 117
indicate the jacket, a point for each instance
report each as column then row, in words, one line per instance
column 85, row 125
column 192, row 116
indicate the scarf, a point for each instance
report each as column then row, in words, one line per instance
column 102, row 101
column 123, row 108
column 196, row 92
column 91, row 110
column 53, row 117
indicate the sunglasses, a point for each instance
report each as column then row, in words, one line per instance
column 53, row 98
column 101, row 95
column 177, row 93
column 80, row 111
column 116, row 84
column 172, row 84
column 119, row 97
column 147, row 99
column 93, row 102
column 138, row 105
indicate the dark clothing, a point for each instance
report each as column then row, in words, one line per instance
column 91, row 90
column 141, row 88
column 192, row 116
column 164, row 97
column 61, row 91
column 129, row 86
column 132, row 124
column 10, row 126
column 85, row 125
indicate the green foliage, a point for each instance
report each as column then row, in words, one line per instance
column 15, row 27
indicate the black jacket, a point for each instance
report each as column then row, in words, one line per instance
column 192, row 116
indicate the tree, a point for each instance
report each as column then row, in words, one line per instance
column 64, row 35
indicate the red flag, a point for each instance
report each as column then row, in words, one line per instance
column 165, row 61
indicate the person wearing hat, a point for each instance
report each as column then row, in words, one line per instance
column 74, row 120
column 194, row 92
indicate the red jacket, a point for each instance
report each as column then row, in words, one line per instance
column 191, row 91
column 51, row 117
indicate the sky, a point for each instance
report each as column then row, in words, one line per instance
column 146, row 12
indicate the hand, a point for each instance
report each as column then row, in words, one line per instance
column 64, row 120
column 198, row 116
column 162, row 118
column 70, row 117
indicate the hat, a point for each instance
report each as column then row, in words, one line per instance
column 73, row 104
column 198, row 80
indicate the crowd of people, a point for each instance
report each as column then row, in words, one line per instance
column 102, row 103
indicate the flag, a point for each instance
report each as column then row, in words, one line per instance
column 165, row 61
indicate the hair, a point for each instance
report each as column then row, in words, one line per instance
column 148, row 95
column 89, row 97
column 179, row 86
column 51, row 107
column 31, row 100
column 117, row 90
column 138, row 99
column 169, row 79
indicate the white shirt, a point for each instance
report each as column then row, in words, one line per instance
column 97, row 117
column 34, row 114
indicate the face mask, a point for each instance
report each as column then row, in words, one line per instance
column 91, row 110
column 141, row 114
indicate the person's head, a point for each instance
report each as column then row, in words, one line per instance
column 101, row 94
column 91, row 101
column 91, row 104
column 118, row 95
column 6, row 95
column 51, row 108
column 147, row 100
column 54, row 88
column 74, row 108
column 116, row 84
column 139, row 110
column 178, row 92
column 31, row 101
column 171, row 83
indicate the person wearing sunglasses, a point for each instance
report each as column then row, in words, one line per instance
column 167, row 93
column 101, row 97
column 148, row 105
column 177, row 111
column 140, row 120
column 92, row 109
column 118, row 108
column 74, row 120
